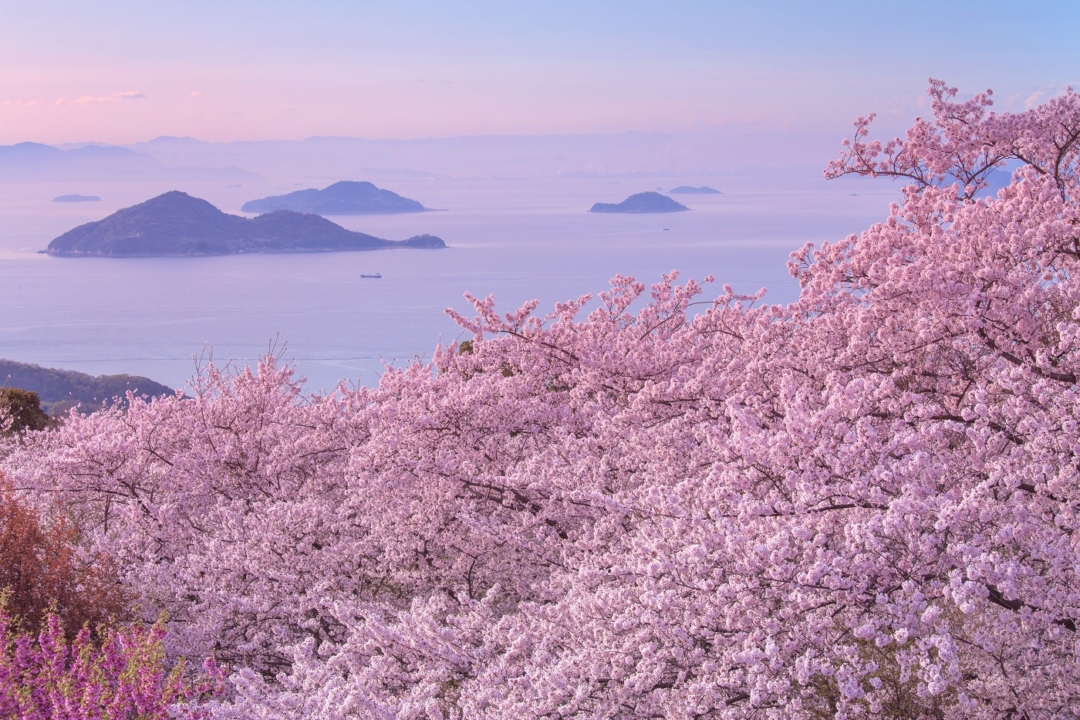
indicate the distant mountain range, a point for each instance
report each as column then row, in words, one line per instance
column 341, row 198
column 666, row 155
column 60, row 390
column 646, row 202
column 177, row 224
column 34, row 162
column 688, row 190
column 180, row 159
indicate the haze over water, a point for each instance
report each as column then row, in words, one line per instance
column 518, row 239
column 750, row 98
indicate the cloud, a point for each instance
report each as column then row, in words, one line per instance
column 197, row 94
column 1032, row 100
column 129, row 95
column 22, row 103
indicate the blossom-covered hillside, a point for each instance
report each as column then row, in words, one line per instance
column 864, row 503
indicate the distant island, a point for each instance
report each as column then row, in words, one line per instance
column 646, row 202
column 60, row 390
column 342, row 198
column 688, row 190
column 177, row 224
column 76, row 198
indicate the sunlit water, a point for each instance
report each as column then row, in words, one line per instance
column 517, row 239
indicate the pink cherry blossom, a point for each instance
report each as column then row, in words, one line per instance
column 863, row 503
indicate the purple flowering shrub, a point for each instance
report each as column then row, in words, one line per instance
column 122, row 675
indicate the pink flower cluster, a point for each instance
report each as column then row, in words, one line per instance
column 864, row 503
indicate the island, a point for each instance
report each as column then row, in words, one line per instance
column 76, row 198
column 341, row 198
column 688, row 190
column 646, row 202
column 178, row 224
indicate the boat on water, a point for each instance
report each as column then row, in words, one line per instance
column 376, row 276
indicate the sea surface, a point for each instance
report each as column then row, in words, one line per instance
column 516, row 239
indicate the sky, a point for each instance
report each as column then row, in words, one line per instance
column 124, row 71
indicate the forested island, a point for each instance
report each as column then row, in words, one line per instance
column 341, row 198
column 178, row 224
column 646, row 202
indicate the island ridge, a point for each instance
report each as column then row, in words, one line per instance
column 177, row 224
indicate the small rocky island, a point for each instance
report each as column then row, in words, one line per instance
column 688, row 190
column 76, row 198
column 646, row 202
column 177, row 224
column 342, row 198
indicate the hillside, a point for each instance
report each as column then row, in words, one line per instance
column 60, row 390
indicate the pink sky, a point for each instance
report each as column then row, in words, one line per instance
column 121, row 72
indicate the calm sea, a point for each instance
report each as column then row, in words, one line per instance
column 517, row 239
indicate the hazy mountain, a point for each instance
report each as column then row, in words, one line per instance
column 646, row 202
column 76, row 198
column 624, row 154
column 177, row 224
column 341, row 198
column 688, row 190
column 34, row 162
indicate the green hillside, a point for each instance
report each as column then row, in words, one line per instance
column 60, row 390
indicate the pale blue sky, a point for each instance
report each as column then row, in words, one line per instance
column 123, row 71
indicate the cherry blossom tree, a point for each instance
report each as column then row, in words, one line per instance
column 863, row 503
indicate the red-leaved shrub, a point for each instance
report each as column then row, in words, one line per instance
column 41, row 567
